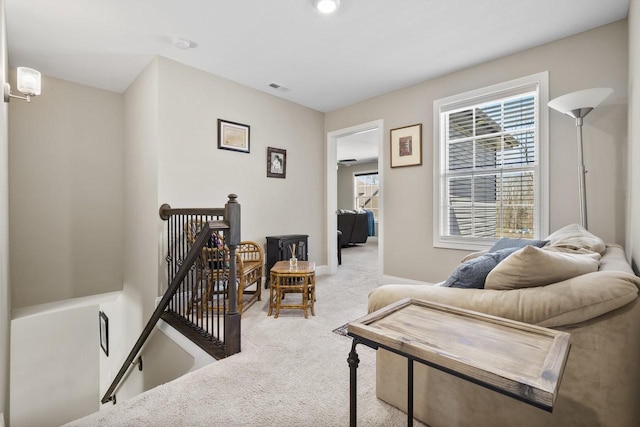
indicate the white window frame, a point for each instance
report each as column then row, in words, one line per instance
column 355, row 187
column 541, row 187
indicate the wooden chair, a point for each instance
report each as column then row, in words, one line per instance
column 213, row 263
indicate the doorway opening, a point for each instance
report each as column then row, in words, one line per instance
column 369, row 134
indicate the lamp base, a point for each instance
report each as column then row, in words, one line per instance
column 8, row 95
column 7, row 92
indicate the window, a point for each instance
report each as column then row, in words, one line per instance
column 367, row 190
column 490, row 154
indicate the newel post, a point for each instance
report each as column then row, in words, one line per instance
column 232, row 317
column 164, row 211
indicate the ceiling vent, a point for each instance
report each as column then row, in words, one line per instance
column 278, row 87
column 347, row 162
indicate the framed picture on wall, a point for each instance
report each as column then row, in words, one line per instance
column 276, row 163
column 104, row 333
column 406, row 146
column 233, row 136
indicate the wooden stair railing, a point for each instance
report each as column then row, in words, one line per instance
column 230, row 225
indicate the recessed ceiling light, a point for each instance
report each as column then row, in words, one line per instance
column 183, row 43
column 326, row 6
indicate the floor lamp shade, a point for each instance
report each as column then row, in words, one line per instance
column 578, row 105
column 580, row 100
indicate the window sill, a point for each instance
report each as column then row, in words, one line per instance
column 465, row 246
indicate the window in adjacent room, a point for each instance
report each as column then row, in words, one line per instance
column 490, row 154
column 366, row 191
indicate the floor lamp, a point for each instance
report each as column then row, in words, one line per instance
column 578, row 105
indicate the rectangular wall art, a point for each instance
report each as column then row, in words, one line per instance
column 233, row 136
column 104, row 333
column 276, row 163
column 406, row 146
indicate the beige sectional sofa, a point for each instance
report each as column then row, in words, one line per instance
column 601, row 382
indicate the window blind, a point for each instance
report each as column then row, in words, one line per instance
column 489, row 173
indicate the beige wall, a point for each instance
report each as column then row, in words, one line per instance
column 194, row 172
column 633, row 214
column 164, row 360
column 87, row 182
column 5, row 291
column 140, row 216
column 345, row 182
column 65, row 172
column 54, row 366
column 592, row 59
column 171, row 156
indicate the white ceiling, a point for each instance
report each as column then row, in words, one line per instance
column 365, row 49
column 361, row 147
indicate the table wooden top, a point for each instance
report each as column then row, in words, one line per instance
column 514, row 358
column 304, row 267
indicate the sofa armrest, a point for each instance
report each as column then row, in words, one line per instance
column 345, row 225
column 360, row 230
column 564, row 303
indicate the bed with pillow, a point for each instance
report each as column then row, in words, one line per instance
column 572, row 282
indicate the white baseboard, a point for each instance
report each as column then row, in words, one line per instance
column 322, row 269
column 392, row 280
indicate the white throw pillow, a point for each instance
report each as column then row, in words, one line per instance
column 532, row 266
column 574, row 236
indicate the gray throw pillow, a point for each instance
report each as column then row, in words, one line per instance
column 473, row 273
column 508, row 242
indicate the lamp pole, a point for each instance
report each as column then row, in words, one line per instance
column 579, row 114
column 577, row 105
column 582, row 189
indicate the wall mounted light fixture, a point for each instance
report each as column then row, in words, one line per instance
column 28, row 83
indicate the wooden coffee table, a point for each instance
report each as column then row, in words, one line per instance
column 286, row 279
column 517, row 359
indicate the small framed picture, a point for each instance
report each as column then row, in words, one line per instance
column 406, row 146
column 104, row 333
column 276, row 163
column 233, row 136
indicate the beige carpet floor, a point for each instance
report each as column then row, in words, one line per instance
column 292, row 371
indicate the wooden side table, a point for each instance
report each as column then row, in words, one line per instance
column 278, row 249
column 287, row 279
column 517, row 359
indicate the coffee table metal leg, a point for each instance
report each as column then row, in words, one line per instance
column 410, row 392
column 353, row 366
